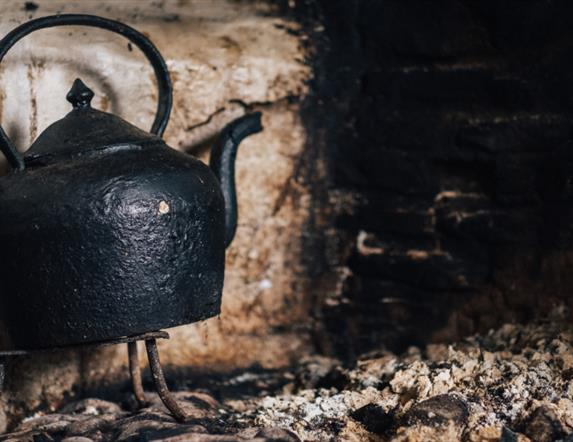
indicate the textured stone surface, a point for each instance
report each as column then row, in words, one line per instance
column 225, row 58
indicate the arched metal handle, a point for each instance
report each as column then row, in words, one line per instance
column 162, row 74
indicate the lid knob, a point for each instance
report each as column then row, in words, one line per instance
column 80, row 95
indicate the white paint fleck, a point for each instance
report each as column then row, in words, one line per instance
column 163, row 208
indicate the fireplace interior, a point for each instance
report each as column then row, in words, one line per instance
column 403, row 266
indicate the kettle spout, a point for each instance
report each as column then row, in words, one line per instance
column 222, row 163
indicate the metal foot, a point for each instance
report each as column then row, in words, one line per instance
column 135, row 372
column 160, row 384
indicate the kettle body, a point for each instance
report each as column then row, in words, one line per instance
column 110, row 245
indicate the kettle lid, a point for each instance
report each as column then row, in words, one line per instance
column 83, row 130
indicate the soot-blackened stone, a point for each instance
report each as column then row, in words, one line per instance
column 543, row 426
column 438, row 410
column 375, row 419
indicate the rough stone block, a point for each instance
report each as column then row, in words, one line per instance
column 413, row 29
column 429, row 269
column 398, row 171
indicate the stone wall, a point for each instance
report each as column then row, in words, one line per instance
column 451, row 137
column 226, row 58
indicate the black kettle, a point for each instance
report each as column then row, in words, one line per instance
column 106, row 233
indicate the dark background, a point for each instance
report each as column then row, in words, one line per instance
column 450, row 120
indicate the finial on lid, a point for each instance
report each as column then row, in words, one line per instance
column 80, row 95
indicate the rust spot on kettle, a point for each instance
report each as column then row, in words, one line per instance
column 163, row 208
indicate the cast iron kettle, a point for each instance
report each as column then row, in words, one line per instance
column 106, row 233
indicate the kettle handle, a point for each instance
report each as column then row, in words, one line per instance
column 165, row 96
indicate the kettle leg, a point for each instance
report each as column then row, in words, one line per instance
column 160, row 385
column 135, row 372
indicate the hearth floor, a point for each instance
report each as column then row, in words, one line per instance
column 511, row 384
